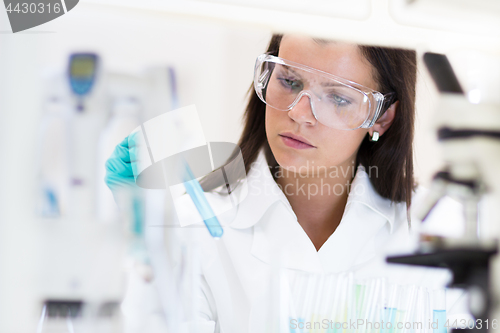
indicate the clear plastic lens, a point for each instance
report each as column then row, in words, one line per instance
column 334, row 103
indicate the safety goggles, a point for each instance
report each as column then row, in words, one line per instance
column 335, row 102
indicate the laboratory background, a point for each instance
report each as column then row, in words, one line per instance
column 72, row 88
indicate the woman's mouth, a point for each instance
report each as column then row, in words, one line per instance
column 295, row 141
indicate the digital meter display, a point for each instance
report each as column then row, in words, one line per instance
column 83, row 67
column 82, row 72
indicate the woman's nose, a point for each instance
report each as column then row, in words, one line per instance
column 302, row 112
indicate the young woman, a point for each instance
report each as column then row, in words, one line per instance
column 327, row 147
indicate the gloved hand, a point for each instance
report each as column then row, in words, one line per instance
column 119, row 172
column 128, row 196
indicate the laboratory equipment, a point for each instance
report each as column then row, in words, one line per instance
column 469, row 135
column 82, row 75
column 341, row 302
column 439, row 311
column 76, row 280
column 195, row 191
column 85, row 244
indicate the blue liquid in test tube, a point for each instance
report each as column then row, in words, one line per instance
column 439, row 310
column 439, row 317
column 390, row 317
column 299, row 322
column 195, row 191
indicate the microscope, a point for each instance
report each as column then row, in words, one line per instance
column 470, row 138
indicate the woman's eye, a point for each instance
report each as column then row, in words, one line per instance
column 290, row 83
column 339, row 100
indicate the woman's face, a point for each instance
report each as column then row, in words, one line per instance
column 327, row 147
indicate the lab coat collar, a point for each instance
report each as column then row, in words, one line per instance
column 362, row 191
column 280, row 238
column 264, row 192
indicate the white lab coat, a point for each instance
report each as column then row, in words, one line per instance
column 263, row 233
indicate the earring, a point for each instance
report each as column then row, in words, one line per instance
column 375, row 136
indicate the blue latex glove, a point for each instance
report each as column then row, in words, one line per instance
column 120, row 178
column 119, row 174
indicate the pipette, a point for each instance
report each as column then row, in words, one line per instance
column 195, row 191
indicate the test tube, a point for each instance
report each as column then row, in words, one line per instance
column 439, row 311
column 366, row 303
column 428, row 311
column 336, row 298
column 378, row 306
column 419, row 317
column 293, row 314
column 323, row 294
column 330, row 300
column 195, row 191
column 300, row 288
column 361, row 291
column 402, row 309
column 351, row 311
column 409, row 309
column 381, row 311
column 391, row 309
column 304, row 314
column 332, row 282
column 342, row 312
column 323, row 300
column 318, row 282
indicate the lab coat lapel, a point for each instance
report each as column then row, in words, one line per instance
column 362, row 191
column 353, row 242
column 263, row 193
column 279, row 238
column 367, row 219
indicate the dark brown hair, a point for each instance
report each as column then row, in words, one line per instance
column 392, row 154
